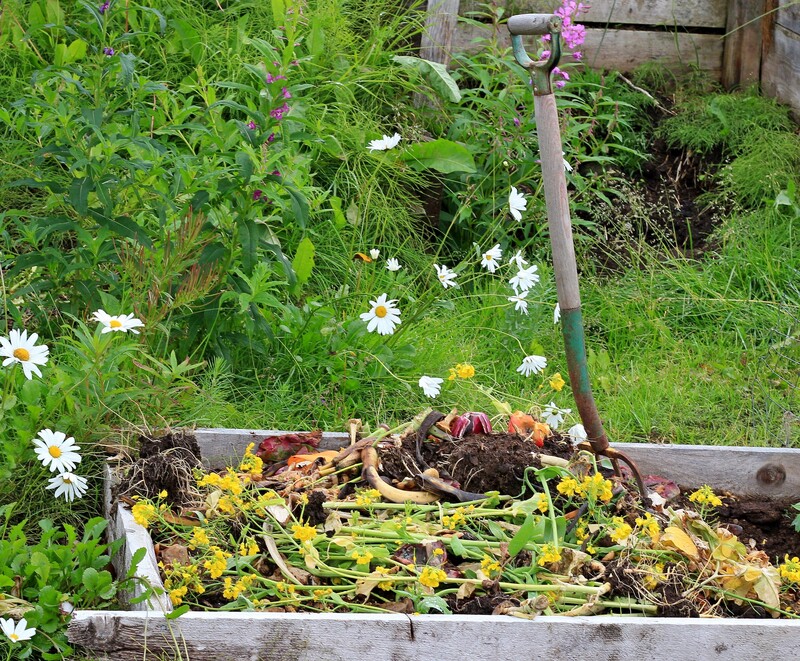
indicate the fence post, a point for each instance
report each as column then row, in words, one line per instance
column 741, row 57
column 437, row 35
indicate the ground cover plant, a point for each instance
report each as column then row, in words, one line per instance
column 247, row 181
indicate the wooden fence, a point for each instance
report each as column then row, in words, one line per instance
column 738, row 42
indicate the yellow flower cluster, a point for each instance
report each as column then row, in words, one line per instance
column 288, row 588
column 790, row 569
column 649, row 525
column 366, row 497
column 179, row 580
column 384, row 585
column 593, row 487
column 199, row 538
column 250, row 548
column 144, row 512
column 462, row 371
column 251, row 464
column 542, row 503
column 431, row 576
column 217, row 563
column 621, row 530
column 361, row 558
column 233, row 590
column 229, row 482
column 303, row 533
column 322, row 593
column 705, row 496
column 454, row 519
column 548, row 555
column 489, row 565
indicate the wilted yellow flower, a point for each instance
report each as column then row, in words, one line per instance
column 462, row 371
column 556, row 382
column 649, row 525
column 431, row 577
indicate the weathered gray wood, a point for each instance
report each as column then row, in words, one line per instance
column 437, row 35
column 683, row 13
column 740, row 470
column 342, row 637
column 623, row 50
column 741, row 58
column 780, row 69
column 225, row 447
column 788, row 15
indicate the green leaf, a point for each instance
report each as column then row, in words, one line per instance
column 177, row 612
column 79, row 194
column 456, row 546
column 278, row 11
column 523, row 536
column 76, row 51
column 339, row 220
column 245, row 164
column 435, row 74
column 303, row 264
column 442, row 155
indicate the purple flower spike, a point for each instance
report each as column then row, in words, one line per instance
column 271, row 138
column 257, row 193
column 516, row 122
column 104, row 7
column 108, row 51
column 251, row 125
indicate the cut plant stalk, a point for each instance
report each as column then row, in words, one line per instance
column 558, row 221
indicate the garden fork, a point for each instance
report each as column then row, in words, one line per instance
column 558, row 220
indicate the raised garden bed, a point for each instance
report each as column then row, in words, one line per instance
column 769, row 474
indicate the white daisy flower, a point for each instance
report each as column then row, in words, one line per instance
column 383, row 316
column 385, row 143
column 518, row 259
column 374, row 253
column 532, row 365
column 392, row 264
column 123, row 322
column 553, row 415
column 577, row 433
column 521, row 305
column 19, row 348
column 491, row 258
column 431, row 385
column 567, row 166
column 446, row 276
column 54, row 449
column 525, row 278
column 16, row 633
column 69, row 485
column 516, row 204
column 556, row 313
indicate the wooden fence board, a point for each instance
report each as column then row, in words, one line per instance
column 687, row 14
column 623, row 50
column 789, row 15
column 780, row 70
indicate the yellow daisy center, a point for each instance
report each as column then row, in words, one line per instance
column 115, row 323
column 22, row 354
column 14, row 637
column 54, row 451
column 381, row 311
column 66, row 480
column 487, row 257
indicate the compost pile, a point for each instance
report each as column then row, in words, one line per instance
column 443, row 515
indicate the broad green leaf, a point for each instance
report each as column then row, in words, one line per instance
column 76, row 51
column 79, row 194
column 181, row 610
column 442, row 155
column 278, row 12
column 303, row 263
column 435, row 74
column 522, row 537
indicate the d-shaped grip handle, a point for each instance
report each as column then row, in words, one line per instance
column 533, row 24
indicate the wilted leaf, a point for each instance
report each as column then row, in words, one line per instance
column 676, row 539
column 767, row 586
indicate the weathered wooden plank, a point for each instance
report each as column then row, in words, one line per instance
column 623, row 50
column 788, row 15
column 741, row 58
column 437, row 35
column 683, row 13
column 780, row 70
column 225, row 447
column 120, row 636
